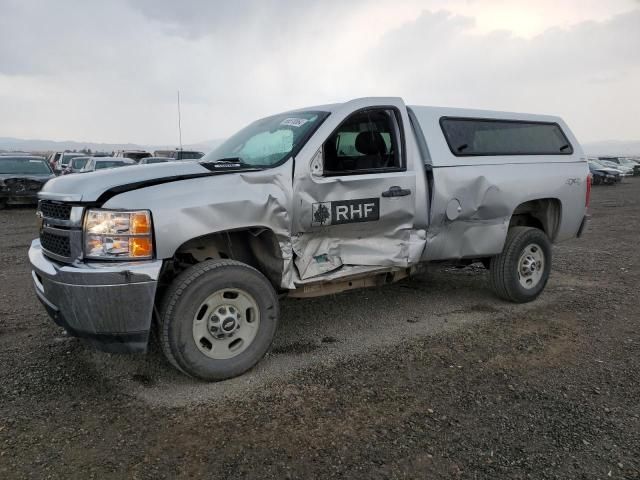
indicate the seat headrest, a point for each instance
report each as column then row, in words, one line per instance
column 370, row 143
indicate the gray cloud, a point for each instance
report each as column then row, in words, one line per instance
column 592, row 67
column 109, row 71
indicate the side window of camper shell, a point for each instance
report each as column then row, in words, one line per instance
column 480, row 137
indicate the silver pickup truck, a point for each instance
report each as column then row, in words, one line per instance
column 305, row 203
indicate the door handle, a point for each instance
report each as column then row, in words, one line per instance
column 396, row 191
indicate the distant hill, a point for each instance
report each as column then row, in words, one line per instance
column 612, row 147
column 36, row 145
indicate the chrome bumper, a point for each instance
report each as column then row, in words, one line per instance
column 108, row 304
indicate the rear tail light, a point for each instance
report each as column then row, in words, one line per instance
column 588, row 197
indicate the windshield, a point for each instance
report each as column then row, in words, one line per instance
column 268, row 141
column 28, row 166
column 109, row 164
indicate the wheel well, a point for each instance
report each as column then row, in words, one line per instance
column 542, row 213
column 258, row 247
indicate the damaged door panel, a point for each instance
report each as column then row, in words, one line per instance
column 355, row 201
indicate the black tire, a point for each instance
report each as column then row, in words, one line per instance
column 504, row 271
column 185, row 296
column 3, row 204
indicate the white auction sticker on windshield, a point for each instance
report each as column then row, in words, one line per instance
column 294, row 122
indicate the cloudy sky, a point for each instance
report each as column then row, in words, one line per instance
column 108, row 71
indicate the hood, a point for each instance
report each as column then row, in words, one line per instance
column 88, row 187
column 23, row 176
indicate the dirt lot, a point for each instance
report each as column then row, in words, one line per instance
column 431, row 378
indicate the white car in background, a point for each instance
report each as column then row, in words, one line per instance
column 625, row 170
column 101, row 163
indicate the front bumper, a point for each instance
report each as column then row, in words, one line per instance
column 19, row 198
column 108, row 304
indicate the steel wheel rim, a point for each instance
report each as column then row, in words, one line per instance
column 226, row 323
column 531, row 265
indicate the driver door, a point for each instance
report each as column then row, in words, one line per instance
column 356, row 204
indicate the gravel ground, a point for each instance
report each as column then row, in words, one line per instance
column 430, row 378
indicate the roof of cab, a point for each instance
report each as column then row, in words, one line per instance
column 476, row 113
column 442, row 111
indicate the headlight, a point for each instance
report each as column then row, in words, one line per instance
column 118, row 235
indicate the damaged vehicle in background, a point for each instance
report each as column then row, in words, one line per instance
column 624, row 164
column 305, row 203
column 21, row 178
column 625, row 170
column 603, row 175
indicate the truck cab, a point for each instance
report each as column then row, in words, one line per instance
column 304, row 203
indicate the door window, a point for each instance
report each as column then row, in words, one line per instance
column 368, row 141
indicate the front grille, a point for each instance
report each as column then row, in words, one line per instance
column 23, row 186
column 56, row 244
column 59, row 211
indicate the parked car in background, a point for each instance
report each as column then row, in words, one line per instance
column 622, row 163
column 624, row 170
column 135, row 155
column 16, row 154
column 65, row 158
column 101, row 163
column 21, row 178
column 603, row 175
column 76, row 164
column 632, row 164
column 53, row 159
column 162, row 153
column 150, row 160
column 186, row 155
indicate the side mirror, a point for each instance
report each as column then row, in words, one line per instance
column 316, row 164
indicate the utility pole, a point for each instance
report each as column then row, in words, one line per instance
column 179, row 122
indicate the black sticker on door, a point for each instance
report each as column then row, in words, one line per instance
column 345, row 211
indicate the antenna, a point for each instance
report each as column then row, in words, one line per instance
column 179, row 122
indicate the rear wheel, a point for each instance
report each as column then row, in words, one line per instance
column 218, row 319
column 3, row 204
column 521, row 271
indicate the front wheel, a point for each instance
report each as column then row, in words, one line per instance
column 521, row 271
column 218, row 319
